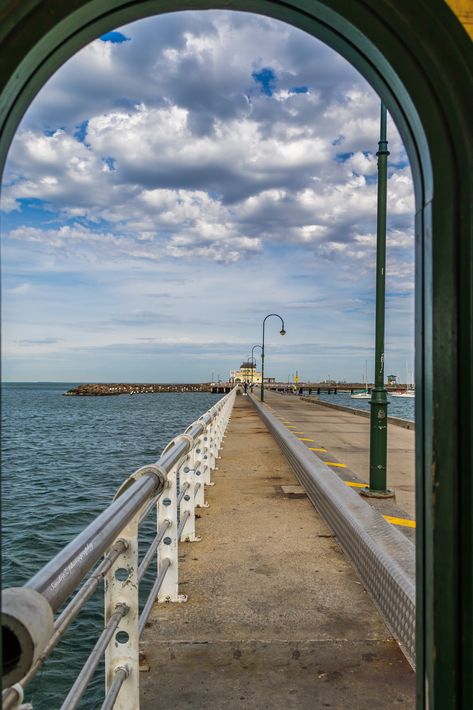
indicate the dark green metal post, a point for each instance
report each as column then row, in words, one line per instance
column 253, row 357
column 282, row 332
column 262, row 371
column 379, row 399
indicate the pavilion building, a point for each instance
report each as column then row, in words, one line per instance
column 246, row 373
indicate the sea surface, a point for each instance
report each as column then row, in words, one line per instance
column 63, row 459
column 404, row 408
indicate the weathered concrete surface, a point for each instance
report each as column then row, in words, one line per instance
column 276, row 616
column 346, row 436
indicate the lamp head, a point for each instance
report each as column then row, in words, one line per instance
column 282, row 332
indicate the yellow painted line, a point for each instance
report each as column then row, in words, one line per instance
column 291, row 426
column 353, row 484
column 333, row 463
column 296, row 432
column 314, row 448
column 303, row 439
column 400, row 521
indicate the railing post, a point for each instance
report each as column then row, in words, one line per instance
column 207, row 457
column 212, row 449
column 223, row 425
column 200, row 473
column 168, row 547
column 219, row 429
column 188, row 502
column 121, row 587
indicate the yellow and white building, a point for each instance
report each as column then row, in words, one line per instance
column 246, row 373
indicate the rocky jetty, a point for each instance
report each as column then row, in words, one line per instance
column 107, row 390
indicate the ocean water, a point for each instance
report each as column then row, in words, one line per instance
column 397, row 406
column 63, row 459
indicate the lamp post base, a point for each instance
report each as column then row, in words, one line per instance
column 372, row 493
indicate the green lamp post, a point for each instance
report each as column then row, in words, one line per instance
column 379, row 400
column 282, row 332
column 252, row 355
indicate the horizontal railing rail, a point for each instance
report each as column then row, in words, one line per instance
column 173, row 486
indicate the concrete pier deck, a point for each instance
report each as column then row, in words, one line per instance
column 276, row 616
column 345, row 436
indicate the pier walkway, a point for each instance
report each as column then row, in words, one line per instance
column 276, row 616
column 343, row 438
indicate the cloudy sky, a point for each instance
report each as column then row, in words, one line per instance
column 182, row 177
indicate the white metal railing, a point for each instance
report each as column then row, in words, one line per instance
column 174, row 486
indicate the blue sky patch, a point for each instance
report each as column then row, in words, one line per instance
column 32, row 213
column 343, row 157
column 51, row 131
column 127, row 102
column 399, row 165
column 299, row 90
column 114, row 37
column 111, row 163
column 81, row 131
column 267, row 78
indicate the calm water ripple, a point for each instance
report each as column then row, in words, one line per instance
column 397, row 406
column 63, row 460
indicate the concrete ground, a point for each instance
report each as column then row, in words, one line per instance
column 276, row 616
column 346, row 437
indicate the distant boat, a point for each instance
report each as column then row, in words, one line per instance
column 409, row 392
column 365, row 394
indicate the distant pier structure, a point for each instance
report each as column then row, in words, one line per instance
column 110, row 389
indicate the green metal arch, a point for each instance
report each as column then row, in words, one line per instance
column 419, row 59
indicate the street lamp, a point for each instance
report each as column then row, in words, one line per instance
column 252, row 361
column 379, row 399
column 282, row 332
column 253, row 357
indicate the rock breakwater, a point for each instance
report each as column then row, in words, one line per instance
column 106, row 390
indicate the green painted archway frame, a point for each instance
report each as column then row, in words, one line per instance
column 418, row 57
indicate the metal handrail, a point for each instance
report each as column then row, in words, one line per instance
column 121, row 674
column 152, row 597
column 58, row 579
column 82, row 681
column 27, row 616
column 182, row 522
column 67, row 616
column 146, row 561
column 182, row 493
